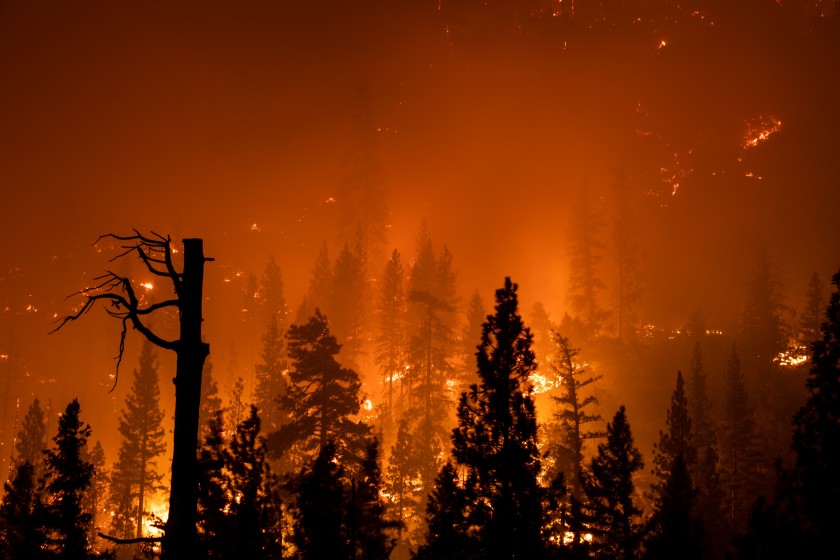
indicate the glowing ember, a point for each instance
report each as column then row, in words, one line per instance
column 148, row 285
column 760, row 129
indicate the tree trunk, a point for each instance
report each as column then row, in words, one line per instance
column 180, row 540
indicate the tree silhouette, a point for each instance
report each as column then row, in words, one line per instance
column 141, row 428
column 321, row 532
column 372, row 538
column 816, row 441
column 677, row 440
column 811, row 317
column 584, row 257
column 271, row 381
column 572, row 419
column 31, row 440
column 675, row 531
column 96, row 497
column 321, row 397
column 496, row 437
column 447, row 515
column 118, row 292
column 210, row 400
column 705, row 474
column 402, row 485
column 212, row 496
column 738, row 448
column 390, row 341
column 22, row 516
column 608, row 484
column 348, row 306
column 68, row 477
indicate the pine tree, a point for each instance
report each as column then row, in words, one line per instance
column 213, row 528
column 319, row 294
column 390, row 339
column 812, row 315
column 141, row 428
column 470, row 335
column 629, row 288
column 321, row 397
column 348, row 307
column 677, row 440
column 210, row 401
column 608, row 485
column 68, row 477
column 401, row 485
column 236, row 405
column 321, row 532
column 98, row 492
column 584, row 258
column 21, row 516
column 705, row 473
column 271, row 381
column 447, row 515
column 496, row 437
column 675, row 531
column 738, row 448
column 816, row 441
column 372, row 535
column 31, row 439
column 245, row 462
column 271, row 296
column 362, row 196
column 571, row 419
column 571, row 413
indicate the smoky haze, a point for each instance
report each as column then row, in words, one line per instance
column 237, row 124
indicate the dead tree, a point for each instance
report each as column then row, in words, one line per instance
column 118, row 295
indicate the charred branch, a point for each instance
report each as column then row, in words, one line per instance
column 117, row 540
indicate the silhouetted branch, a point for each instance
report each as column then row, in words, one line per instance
column 117, row 540
column 126, row 306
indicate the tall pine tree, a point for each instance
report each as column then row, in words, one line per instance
column 321, row 397
column 615, row 516
column 496, row 437
column 141, row 428
column 68, row 477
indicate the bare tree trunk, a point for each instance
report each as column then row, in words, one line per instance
column 180, row 540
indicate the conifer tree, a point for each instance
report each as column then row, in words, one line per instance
column 21, row 516
column 571, row 412
column 675, row 531
column 678, row 439
column 816, row 442
column 470, row 335
column 321, row 397
column 348, row 307
column 31, row 439
column 390, row 339
column 738, row 448
column 447, row 514
column 271, row 295
column 68, row 477
column 98, row 492
column 319, row 294
column 705, row 473
column 584, row 258
column 236, row 405
column 811, row 317
column 608, row 483
column 572, row 419
column 212, row 490
column 629, row 288
column 496, row 437
column 245, row 463
column 271, row 381
column 401, row 485
column 141, row 428
column 210, row 401
column 321, row 532
column 373, row 531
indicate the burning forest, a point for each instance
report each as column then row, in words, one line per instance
column 540, row 279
